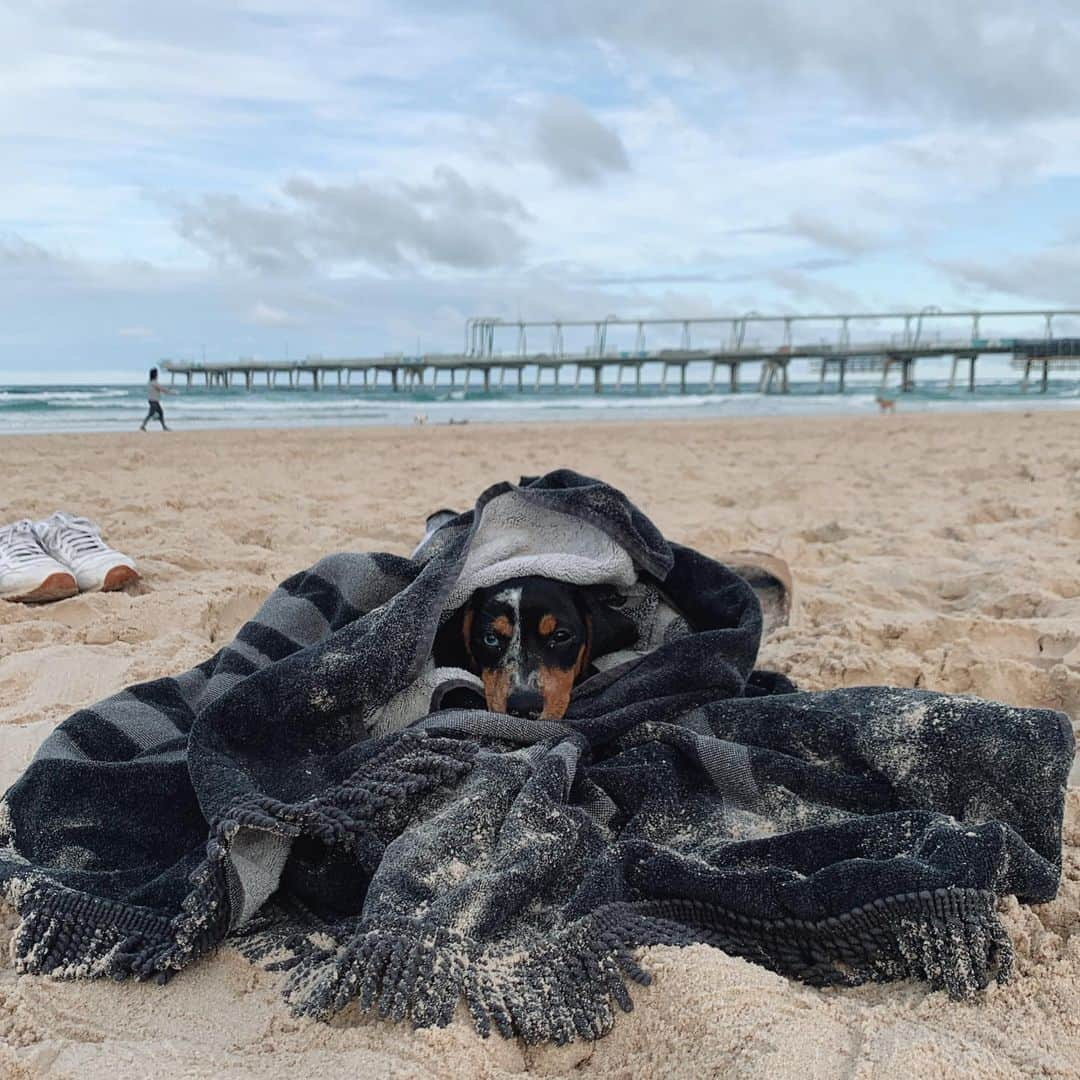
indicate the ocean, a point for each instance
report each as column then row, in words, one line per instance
column 34, row 409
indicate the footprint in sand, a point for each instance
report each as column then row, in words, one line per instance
column 225, row 615
column 830, row 533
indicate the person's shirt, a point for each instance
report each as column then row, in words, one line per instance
column 153, row 390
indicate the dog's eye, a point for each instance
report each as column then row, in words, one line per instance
column 491, row 640
column 560, row 637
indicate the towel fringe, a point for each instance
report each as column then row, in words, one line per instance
column 950, row 937
column 70, row 934
column 566, row 986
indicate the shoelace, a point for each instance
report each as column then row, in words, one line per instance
column 21, row 541
column 77, row 536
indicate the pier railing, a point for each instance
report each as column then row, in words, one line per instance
column 596, row 348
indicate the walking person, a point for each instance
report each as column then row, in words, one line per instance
column 154, row 390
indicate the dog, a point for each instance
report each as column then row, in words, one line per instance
column 885, row 404
column 532, row 639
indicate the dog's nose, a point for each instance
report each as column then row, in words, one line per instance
column 525, row 703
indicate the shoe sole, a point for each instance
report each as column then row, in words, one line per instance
column 54, row 587
column 118, row 577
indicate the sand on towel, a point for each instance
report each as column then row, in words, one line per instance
column 936, row 551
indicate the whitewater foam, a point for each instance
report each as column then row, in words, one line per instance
column 39, row 409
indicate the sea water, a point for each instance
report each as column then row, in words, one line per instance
column 99, row 407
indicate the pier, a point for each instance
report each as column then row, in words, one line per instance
column 582, row 351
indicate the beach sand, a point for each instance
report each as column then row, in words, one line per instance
column 940, row 551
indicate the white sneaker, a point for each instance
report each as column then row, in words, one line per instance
column 27, row 571
column 76, row 542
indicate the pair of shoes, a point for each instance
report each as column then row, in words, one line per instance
column 58, row 557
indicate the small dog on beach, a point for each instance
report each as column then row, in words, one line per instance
column 531, row 639
column 419, row 418
column 885, row 404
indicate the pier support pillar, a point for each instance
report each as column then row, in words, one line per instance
column 682, row 379
column 637, row 375
column 885, row 370
column 971, row 375
column 733, row 376
column 1045, row 376
column 487, row 380
column 843, row 372
column 663, row 377
column 577, row 378
column 521, row 379
column 539, row 376
column 769, row 371
column 394, row 378
column 1027, row 373
column 598, row 379
column 556, row 370
column 712, row 378
column 189, row 378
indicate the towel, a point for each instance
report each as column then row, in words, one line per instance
column 330, row 794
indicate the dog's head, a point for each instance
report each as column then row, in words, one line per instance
column 531, row 638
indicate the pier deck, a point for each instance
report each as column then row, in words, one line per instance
column 832, row 362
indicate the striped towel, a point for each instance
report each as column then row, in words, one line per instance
column 326, row 793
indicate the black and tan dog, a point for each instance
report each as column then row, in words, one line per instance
column 530, row 639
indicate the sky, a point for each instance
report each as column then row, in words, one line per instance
column 279, row 179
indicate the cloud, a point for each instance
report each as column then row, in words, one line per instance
column 1050, row 276
column 575, row 145
column 140, row 332
column 448, row 222
column 266, row 239
column 20, row 254
column 805, row 287
column 848, row 239
column 977, row 59
column 220, row 172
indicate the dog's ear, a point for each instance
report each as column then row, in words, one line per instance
column 609, row 629
column 451, row 647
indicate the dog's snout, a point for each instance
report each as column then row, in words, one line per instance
column 525, row 703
